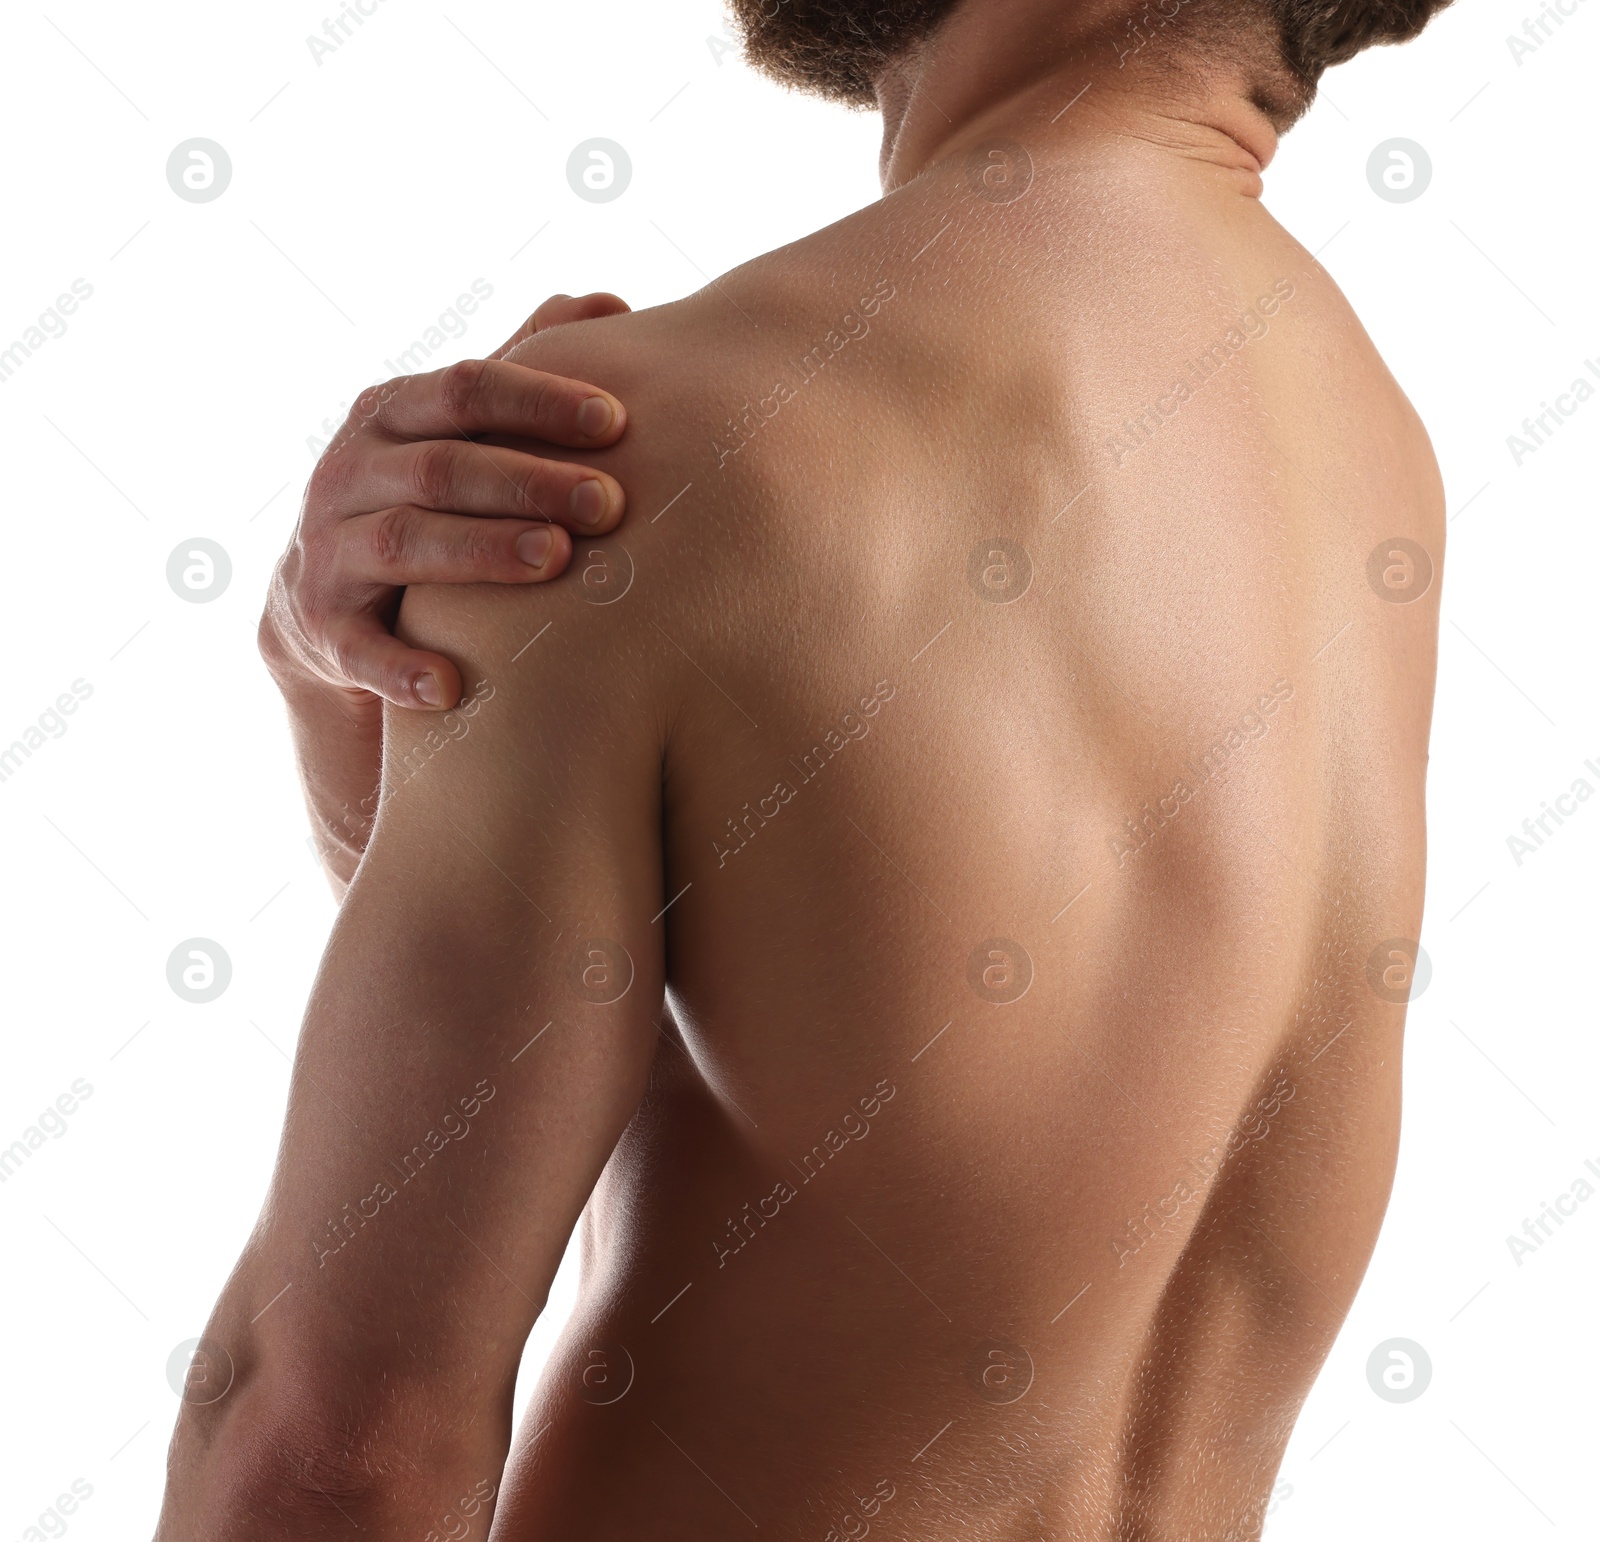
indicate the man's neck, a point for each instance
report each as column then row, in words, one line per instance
column 1046, row 73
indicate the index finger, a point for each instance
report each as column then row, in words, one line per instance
column 493, row 396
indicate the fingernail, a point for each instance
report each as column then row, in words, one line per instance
column 533, row 546
column 595, row 417
column 428, row 692
column 588, row 502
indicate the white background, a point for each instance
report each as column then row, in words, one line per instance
column 371, row 189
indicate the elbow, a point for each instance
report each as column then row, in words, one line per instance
column 265, row 1474
column 293, row 1454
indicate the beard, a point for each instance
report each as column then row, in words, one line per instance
column 837, row 49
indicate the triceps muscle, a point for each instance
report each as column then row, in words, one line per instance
column 478, row 1037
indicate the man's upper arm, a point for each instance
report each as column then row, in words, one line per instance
column 478, row 1037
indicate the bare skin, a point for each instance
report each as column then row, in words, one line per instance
column 433, row 478
column 1003, row 820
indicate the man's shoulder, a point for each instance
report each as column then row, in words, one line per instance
column 763, row 329
column 746, row 405
column 596, row 650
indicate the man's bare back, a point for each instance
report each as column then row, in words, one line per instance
column 1039, row 771
column 933, row 898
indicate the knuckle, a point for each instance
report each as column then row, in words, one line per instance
column 330, row 479
column 533, row 490
column 300, row 592
column 481, row 548
column 288, row 575
column 546, row 396
column 463, row 387
column 341, row 654
column 393, row 540
column 372, row 405
column 269, row 641
column 367, row 405
column 352, row 659
column 433, row 471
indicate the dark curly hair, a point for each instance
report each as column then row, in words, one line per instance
column 840, row 48
column 1314, row 35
